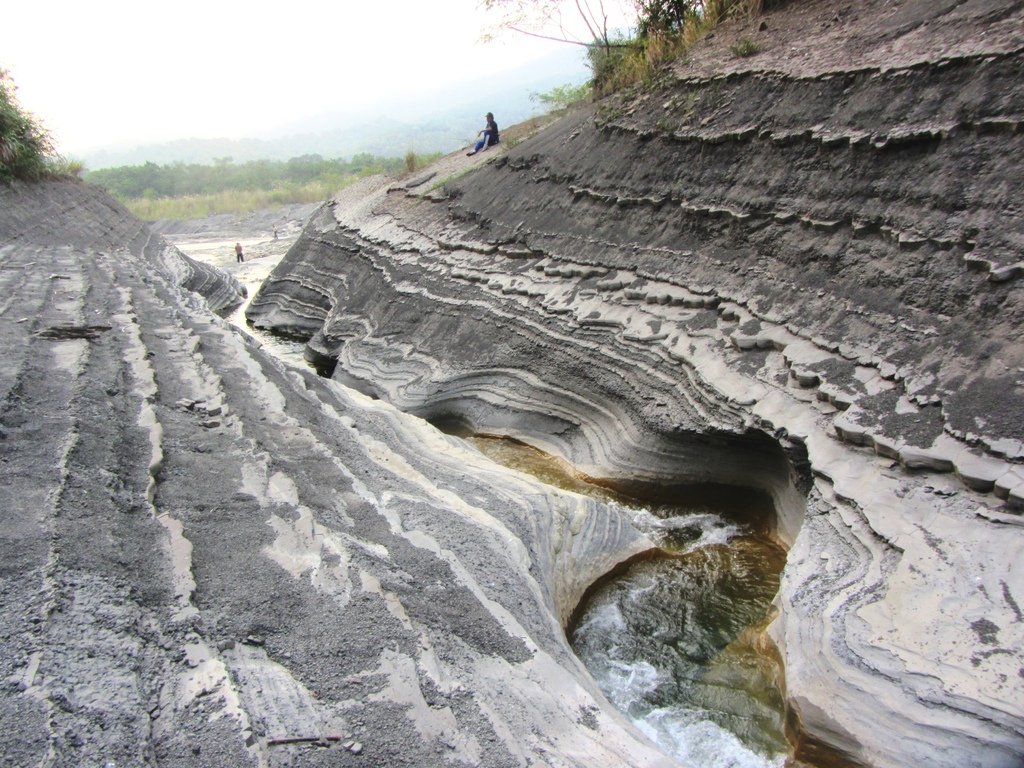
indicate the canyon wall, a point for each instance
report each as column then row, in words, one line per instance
column 796, row 271
column 210, row 559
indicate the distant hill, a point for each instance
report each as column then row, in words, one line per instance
column 436, row 121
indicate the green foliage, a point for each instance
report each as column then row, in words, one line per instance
column 629, row 62
column 655, row 16
column 613, row 66
column 563, row 96
column 130, row 182
column 411, row 163
column 25, row 147
column 60, row 167
column 151, row 208
column 185, row 191
column 665, row 31
column 745, row 47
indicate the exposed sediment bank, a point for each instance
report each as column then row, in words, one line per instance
column 796, row 272
column 209, row 558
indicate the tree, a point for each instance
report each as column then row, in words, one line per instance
column 658, row 30
column 555, row 20
column 672, row 16
column 664, row 15
column 562, row 96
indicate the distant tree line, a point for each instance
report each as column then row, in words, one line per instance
column 152, row 181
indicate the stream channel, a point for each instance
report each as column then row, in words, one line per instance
column 675, row 639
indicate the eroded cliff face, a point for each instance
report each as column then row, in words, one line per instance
column 77, row 217
column 210, row 559
column 797, row 272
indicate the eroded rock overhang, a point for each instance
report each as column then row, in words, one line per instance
column 798, row 273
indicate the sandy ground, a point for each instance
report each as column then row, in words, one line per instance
column 265, row 235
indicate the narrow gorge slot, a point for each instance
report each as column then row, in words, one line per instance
column 675, row 638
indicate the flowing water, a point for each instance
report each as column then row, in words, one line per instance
column 675, row 641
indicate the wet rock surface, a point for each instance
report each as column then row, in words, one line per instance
column 796, row 271
column 208, row 558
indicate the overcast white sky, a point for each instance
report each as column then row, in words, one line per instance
column 112, row 71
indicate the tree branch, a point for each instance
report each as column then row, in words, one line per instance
column 583, row 15
column 573, row 42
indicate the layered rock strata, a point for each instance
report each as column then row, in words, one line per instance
column 796, row 272
column 75, row 216
column 210, row 559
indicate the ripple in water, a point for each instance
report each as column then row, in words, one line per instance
column 674, row 644
column 675, row 641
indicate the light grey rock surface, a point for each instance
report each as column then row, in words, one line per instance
column 792, row 272
column 283, row 220
column 210, row 559
column 74, row 216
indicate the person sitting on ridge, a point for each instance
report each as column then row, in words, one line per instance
column 488, row 135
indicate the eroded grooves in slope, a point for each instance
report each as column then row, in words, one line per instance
column 819, row 244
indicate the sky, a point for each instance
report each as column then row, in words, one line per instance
column 110, row 72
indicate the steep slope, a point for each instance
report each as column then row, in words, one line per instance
column 797, row 271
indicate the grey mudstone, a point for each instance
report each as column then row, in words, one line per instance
column 817, row 193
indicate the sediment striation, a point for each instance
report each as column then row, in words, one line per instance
column 798, row 272
column 210, row 559
column 74, row 216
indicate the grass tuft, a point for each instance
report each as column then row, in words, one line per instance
column 631, row 61
column 744, row 48
column 26, row 150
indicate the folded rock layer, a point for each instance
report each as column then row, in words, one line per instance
column 796, row 271
column 210, row 559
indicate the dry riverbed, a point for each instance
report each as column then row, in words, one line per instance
column 265, row 238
